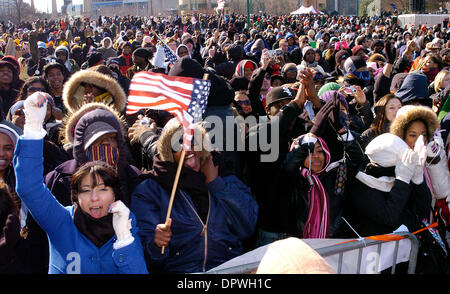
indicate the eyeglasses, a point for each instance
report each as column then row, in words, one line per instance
column 243, row 102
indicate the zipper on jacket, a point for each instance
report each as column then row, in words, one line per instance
column 204, row 231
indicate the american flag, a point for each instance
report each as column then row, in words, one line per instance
column 184, row 97
column 169, row 54
column 220, row 4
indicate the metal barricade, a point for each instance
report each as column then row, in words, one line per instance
column 339, row 250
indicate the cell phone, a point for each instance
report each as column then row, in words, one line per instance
column 350, row 90
column 271, row 53
column 309, row 110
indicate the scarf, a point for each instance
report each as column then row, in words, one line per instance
column 317, row 223
column 190, row 181
column 98, row 231
column 104, row 153
column 105, row 98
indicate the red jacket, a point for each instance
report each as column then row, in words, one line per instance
column 125, row 62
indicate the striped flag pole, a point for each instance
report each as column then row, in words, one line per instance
column 175, row 183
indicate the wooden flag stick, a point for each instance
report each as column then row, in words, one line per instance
column 174, row 189
column 177, row 177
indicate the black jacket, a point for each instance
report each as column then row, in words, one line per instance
column 373, row 212
column 300, row 186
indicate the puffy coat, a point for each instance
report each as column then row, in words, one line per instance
column 70, row 250
column 195, row 246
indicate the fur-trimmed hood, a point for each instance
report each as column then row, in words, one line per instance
column 73, row 91
column 172, row 128
column 409, row 113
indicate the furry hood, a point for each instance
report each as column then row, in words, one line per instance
column 73, row 91
column 409, row 113
column 172, row 128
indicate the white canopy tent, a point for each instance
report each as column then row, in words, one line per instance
column 306, row 10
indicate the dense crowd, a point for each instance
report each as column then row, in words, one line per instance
column 356, row 108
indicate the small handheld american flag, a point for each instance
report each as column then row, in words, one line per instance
column 184, row 97
column 220, row 4
column 169, row 54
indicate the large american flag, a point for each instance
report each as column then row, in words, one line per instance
column 220, row 4
column 184, row 97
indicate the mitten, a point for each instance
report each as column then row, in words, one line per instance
column 420, row 150
column 35, row 108
column 121, row 224
column 406, row 166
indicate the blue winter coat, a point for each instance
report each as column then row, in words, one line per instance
column 194, row 246
column 70, row 250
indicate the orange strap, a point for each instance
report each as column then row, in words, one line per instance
column 392, row 237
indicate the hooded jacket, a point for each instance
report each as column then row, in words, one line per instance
column 58, row 180
column 70, row 64
column 195, row 246
column 107, row 52
column 439, row 172
column 67, row 244
column 379, row 203
column 73, row 91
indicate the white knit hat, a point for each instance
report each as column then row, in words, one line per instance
column 386, row 149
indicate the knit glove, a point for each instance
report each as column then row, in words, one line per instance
column 35, row 108
column 335, row 115
column 434, row 148
column 11, row 235
column 390, row 52
column 121, row 224
column 406, row 166
column 321, row 119
column 421, row 151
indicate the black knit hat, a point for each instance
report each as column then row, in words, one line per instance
column 144, row 53
column 341, row 54
column 94, row 57
column 187, row 67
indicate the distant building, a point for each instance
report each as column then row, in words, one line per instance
column 343, row 7
column 188, row 7
column 122, row 7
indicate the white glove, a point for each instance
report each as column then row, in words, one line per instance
column 160, row 57
column 435, row 147
column 35, row 108
column 121, row 224
column 421, row 151
column 406, row 166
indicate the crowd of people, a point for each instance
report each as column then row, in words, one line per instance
column 357, row 108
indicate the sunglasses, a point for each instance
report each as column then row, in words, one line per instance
column 243, row 102
column 36, row 89
column 19, row 112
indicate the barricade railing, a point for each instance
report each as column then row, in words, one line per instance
column 343, row 253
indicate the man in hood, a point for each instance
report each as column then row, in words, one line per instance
column 8, row 94
column 62, row 54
